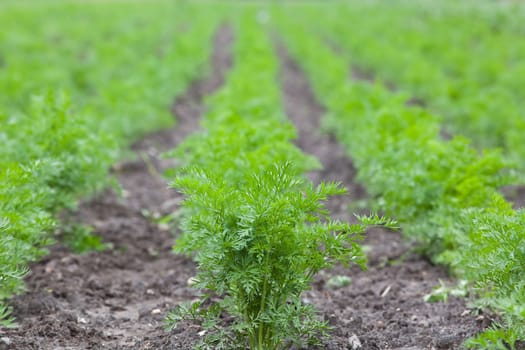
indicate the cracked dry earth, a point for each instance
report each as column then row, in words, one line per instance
column 118, row 299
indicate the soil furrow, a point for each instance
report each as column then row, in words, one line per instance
column 117, row 299
column 305, row 112
column 383, row 307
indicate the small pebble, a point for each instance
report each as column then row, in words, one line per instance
column 332, row 319
column 306, row 300
column 354, row 343
column 354, row 322
column 5, row 340
column 191, row 281
column 155, row 311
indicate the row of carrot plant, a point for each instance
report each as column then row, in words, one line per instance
column 72, row 85
column 462, row 60
column 257, row 229
column 443, row 192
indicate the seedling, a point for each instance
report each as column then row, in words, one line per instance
column 338, row 281
column 81, row 239
column 6, row 320
column 442, row 292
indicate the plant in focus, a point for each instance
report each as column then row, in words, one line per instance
column 257, row 248
column 494, row 257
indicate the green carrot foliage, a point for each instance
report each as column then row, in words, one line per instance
column 258, row 247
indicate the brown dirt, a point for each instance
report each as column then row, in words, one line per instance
column 117, row 299
column 383, row 307
column 515, row 194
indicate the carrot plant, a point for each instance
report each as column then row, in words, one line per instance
column 258, row 246
column 494, row 257
column 51, row 158
column 257, row 229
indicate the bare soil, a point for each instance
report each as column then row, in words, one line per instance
column 117, row 299
column 515, row 194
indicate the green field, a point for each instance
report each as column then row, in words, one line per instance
column 423, row 99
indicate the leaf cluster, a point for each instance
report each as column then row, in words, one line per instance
column 494, row 257
column 259, row 245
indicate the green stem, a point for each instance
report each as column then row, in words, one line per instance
column 263, row 301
